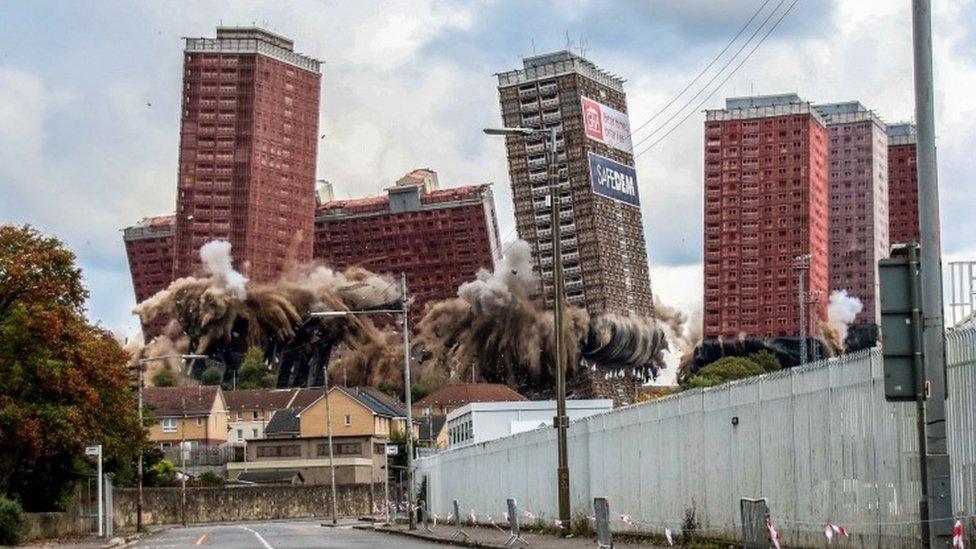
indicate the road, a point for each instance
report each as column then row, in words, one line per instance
column 274, row 535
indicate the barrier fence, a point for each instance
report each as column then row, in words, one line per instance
column 819, row 443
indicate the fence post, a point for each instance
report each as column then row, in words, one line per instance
column 422, row 506
column 514, row 533
column 109, row 506
column 754, row 514
column 601, row 511
column 458, row 532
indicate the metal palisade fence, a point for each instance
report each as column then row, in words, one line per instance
column 820, row 442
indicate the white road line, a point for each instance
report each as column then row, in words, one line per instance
column 263, row 541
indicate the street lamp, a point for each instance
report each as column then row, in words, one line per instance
column 142, row 368
column 406, row 389
column 561, row 422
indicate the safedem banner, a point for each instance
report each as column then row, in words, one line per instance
column 614, row 180
column 607, row 125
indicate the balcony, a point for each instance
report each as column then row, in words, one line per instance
column 527, row 92
column 534, row 148
column 551, row 116
column 529, row 107
column 535, row 163
column 574, row 285
column 572, row 272
column 542, row 219
column 547, row 89
column 531, row 121
column 538, row 177
column 550, row 102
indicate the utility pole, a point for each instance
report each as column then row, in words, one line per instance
column 142, row 366
column 412, row 518
column 183, row 461
column 328, row 429
column 938, row 500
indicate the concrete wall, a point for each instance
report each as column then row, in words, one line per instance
column 56, row 525
column 820, row 442
column 241, row 503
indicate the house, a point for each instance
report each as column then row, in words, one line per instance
column 483, row 421
column 196, row 414
column 432, row 432
column 452, row 397
column 250, row 410
column 296, row 438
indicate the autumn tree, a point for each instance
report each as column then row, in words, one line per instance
column 63, row 382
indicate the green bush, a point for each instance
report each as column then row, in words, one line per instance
column 11, row 521
column 161, row 474
column 212, row 375
column 209, row 478
column 164, row 378
column 766, row 360
column 723, row 370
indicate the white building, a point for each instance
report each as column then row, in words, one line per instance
column 483, row 421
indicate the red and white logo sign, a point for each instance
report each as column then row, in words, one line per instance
column 593, row 119
column 606, row 125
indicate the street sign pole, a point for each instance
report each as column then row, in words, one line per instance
column 96, row 451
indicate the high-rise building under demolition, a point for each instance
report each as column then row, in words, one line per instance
column 765, row 205
column 604, row 254
column 902, row 184
column 439, row 238
column 858, row 198
column 149, row 248
column 248, row 144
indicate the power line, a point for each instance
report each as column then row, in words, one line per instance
column 717, row 74
column 737, row 67
column 703, row 71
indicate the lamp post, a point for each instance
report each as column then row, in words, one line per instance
column 141, row 369
column 406, row 388
column 561, row 422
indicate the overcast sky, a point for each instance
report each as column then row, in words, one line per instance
column 89, row 96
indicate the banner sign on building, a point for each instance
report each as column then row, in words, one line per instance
column 606, row 125
column 614, row 180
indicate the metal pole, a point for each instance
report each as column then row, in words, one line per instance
column 183, row 463
column 801, row 264
column 141, row 451
column 101, row 503
column 561, row 421
column 933, row 336
column 386, row 485
column 328, row 428
column 412, row 519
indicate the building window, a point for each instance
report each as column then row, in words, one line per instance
column 348, row 420
column 240, row 434
column 349, row 448
column 169, row 425
column 199, row 421
column 254, row 415
column 254, row 433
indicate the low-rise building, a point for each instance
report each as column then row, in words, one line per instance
column 452, row 397
column 195, row 414
column 296, row 438
column 483, row 421
column 250, row 410
column 432, row 432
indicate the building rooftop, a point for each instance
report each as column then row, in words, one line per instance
column 380, row 204
column 151, row 227
column 847, row 112
column 305, row 397
column 377, row 401
column 747, row 101
column 177, row 401
column 246, row 40
column 284, row 422
column 902, row 133
column 558, row 63
column 258, row 399
column 761, row 106
column 465, row 393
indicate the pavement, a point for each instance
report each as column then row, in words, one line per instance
column 488, row 536
column 261, row 535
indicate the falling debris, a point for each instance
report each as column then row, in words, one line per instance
column 494, row 330
column 842, row 309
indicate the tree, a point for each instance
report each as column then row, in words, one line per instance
column 766, row 360
column 164, row 378
column 64, row 383
column 212, row 375
column 253, row 373
column 723, row 370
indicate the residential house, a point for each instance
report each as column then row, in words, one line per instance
column 432, row 432
column 251, row 409
column 296, row 438
column 196, row 414
column 447, row 399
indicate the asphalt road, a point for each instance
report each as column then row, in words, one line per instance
column 274, row 535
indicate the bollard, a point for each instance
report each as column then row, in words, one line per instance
column 601, row 511
column 458, row 532
column 754, row 516
column 422, row 505
column 514, row 533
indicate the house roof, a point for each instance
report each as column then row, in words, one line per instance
column 466, row 393
column 258, row 399
column 377, row 401
column 271, row 476
column 184, row 400
column 430, row 426
column 305, row 397
column 283, row 422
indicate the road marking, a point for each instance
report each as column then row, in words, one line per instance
column 263, row 541
column 202, row 539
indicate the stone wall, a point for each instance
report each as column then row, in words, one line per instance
column 56, row 525
column 241, row 503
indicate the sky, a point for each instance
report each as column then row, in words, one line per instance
column 90, row 91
